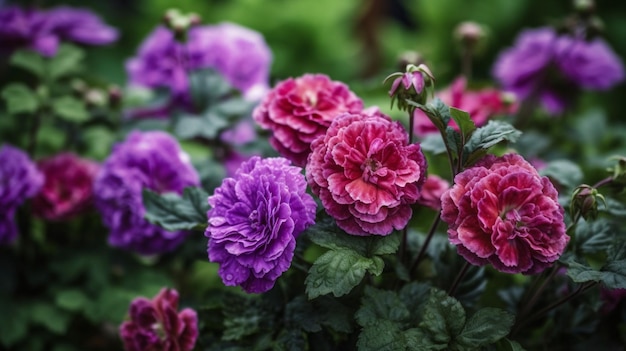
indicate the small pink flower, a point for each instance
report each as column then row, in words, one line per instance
column 299, row 110
column 67, row 189
column 157, row 325
column 501, row 211
column 480, row 104
column 366, row 174
column 433, row 188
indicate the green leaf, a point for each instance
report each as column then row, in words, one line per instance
column 334, row 314
column 173, row 212
column 208, row 125
column 464, row 122
column 487, row 136
column 47, row 315
column 485, row 327
column 508, row 345
column 67, row 60
column 14, row 324
column 383, row 245
column 29, row 60
column 339, row 271
column 377, row 305
column 386, row 335
column 70, row 109
column 444, row 317
column 613, row 275
column 71, row 300
column 414, row 295
column 300, row 312
column 234, row 107
column 433, row 143
column 593, row 237
column 615, row 208
column 325, row 233
column 564, row 172
column 20, row 98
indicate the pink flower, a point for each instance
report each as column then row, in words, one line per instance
column 433, row 188
column 157, row 325
column 366, row 174
column 480, row 104
column 299, row 110
column 501, row 211
column 67, row 189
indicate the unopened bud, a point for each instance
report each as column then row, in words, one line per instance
column 409, row 58
column 415, row 85
column 179, row 22
column 584, row 202
column 115, row 96
column 585, row 7
column 95, row 97
column 469, row 32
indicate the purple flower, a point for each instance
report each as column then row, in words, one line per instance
column 553, row 68
column 43, row 30
column 239, row 54
column 157, row 325
column 151, row 160
column 254, row 220
column 19, row 180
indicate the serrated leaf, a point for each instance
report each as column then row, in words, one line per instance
column 464, row 122
column 207, row 125
column 334, row 314
column 30, row 61
column 565, row 172
column 337, row 272
column 508, row 345
column 386, row 335
column 71, row 300
column 20, row 98
column 67, row 60
column 383, row 245
column 300, row 312
column 437, row 111
column 444, row 317
column 70, row 109
column 414, row 295
column 485, row 327
column 326, row 234
column 592, row 237
column 612, row 275
column 173, row 212
column 378, row 305
column 487, row 136
column 614, row 207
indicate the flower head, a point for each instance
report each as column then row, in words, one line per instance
column 19, row 180
column 157, row 325
column 480, row 104
column 254, row 220
column 299, row 110
column 68, row 185
column 553, row 68
column 366, row 174
column 145, row 160
column 501, row 211
column 430, row 195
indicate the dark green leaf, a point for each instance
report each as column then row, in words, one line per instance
column 414, row 295
column 444, row 317
column 386, row 335
column 487, row 136
column 564, row 172
column 613, row 275
column 419, row 340
column 47, row 315
column 14, row 322
column 30, row 61
column 465, row 123
column 70, row 109
column 592, row 237
column 67, row 60
column 437, row 111
column 301, row 313
column 377, row 305
column 508, row 345
column 433, row 143
column 485, row 327
column 20, row 98
column 208, row 125
column 614, row 207
column 326, row 234
column 71, row 300
column 383, row 245
column 334, row 314
column 173, row 212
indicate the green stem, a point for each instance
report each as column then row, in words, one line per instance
column 458, row 279
column 420, row 255
column 537, row 293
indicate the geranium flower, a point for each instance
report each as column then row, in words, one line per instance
column 150, row 160
column 157, row 325
column 299, row 110
column 19, row 180
column 553, row 68
column 501, row 211
column 481, row 105
column 67, row 189
column 430, row 194
column 254, row 220
column 366, row 174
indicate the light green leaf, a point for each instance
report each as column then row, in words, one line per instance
column 384, row 245
column 30, row 61
column 487, row 136
column 485, row 327
column 173, row 212
column 208, row 125
column 47, row 315
column 67, row 60
column 444, row 317
column 71, row 300
column 464, row 122
column 70, row 109
column 20, row 98
column 564, row 172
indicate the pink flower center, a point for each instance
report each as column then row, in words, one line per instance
column 369, row 168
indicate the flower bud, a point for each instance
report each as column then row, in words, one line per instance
column 584, row 202
column 469, row 33
column 179, row 23
column 409, row 58
column 415, row 85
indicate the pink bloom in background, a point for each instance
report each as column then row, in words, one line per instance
column 298, row 110
column 67, row 189
column 481, row 104
column 433, row 188
column 501, row 211
column 157, row 325
column 366, row 174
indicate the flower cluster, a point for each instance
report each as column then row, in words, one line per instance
column 239, row 54
column 502, row 212
column 550, row 67
column 145, row 160
column 299, row 110
column 19, row 180
column 254, row 220
column 67, row 189
column 157, row 325
column 44, row 30
column 481, row 105
column 366, row 174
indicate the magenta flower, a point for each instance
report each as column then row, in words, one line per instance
column 481, row 104
column 19, row 180
column 299, row 110
column 430, row 195
column 501, row 211
column 157, row 325
column 553, row 68
column 254, row 220
column 67, row 190
column 366, row 174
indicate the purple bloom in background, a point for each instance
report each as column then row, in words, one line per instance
column 151, row 160
column 239, row 54
column 254, row 220
column 42, row 31
column 553, row 68
column 157, row 325
column 19, row 180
